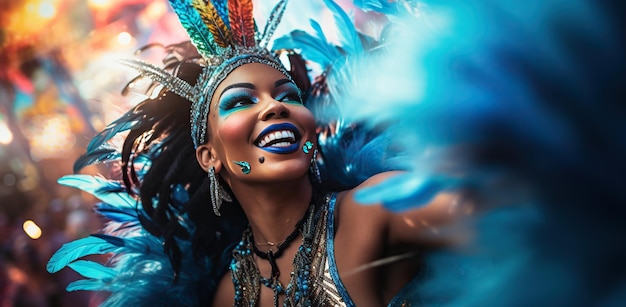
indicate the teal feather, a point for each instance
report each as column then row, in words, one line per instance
column 114, row 240
column 76, row 249
column 117, row 214
column 348, row 35
column 103, row 154
column 313, row 48
column 382, row 6
column 86, row 285
column 131, row 244
column 126, row 122
column 93, row 270
column 318, row 31
column 198, row 32
column 100, row 188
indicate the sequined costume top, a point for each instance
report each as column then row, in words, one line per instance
column 330, row 283
column 319, row 283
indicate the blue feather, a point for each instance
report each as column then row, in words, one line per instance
column 180, row 196
column 98, row 187
column 86, row 285
column 111, row 187
column 76, row 249
column 198, row 32
column 319, row 33
column 144, row 159
column 117, row 214
column 348, row 35
column 381, row 6
column 352, row 153
column 222, row 10
column 313, row 49
column 102, row 154
column 125, row 122
column 404, row 191
column 116, row 241
column 93, row 270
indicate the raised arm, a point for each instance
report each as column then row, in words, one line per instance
column 442, row 220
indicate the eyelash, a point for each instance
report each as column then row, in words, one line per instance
column 235, row 101
column 290, row 95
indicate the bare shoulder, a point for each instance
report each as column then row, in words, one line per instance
column 422, row 224
column 347, row 196
column 360, row 239
column 367, row 234
column 351, row 211
column 358, row 221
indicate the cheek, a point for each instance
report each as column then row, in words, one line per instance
column 305, row 117
column 235, row 127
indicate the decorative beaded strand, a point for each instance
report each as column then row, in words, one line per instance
column 245, row 273
column 272, row 256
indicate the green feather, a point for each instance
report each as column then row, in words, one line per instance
column 198, row 32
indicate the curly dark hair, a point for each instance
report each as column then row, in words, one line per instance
column 165, row 129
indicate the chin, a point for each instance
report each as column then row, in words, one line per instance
column 284, row 171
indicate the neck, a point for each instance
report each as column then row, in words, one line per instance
column 274, row 209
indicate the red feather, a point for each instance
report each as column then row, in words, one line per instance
column 241, row 22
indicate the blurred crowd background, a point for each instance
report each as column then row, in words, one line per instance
column 59, row 85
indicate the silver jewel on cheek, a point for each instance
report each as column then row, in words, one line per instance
column 306, row 148
column 245, row 166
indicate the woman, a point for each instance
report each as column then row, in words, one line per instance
column 299, row 243
column 253, row 103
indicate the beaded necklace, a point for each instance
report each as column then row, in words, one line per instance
column 247, row 279
column 272, row 256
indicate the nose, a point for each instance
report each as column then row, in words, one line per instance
column 274, row 109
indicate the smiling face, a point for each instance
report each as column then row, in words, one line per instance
column 256, row 116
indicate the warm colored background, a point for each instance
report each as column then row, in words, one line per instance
column 59, row 85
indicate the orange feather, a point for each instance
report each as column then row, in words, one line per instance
column 213, row 21
column 241, row 22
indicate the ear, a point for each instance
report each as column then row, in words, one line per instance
column 207, row 157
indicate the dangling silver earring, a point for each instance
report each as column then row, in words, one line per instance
column 216, row 192
column 314, row 167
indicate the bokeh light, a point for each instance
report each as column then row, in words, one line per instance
column 6, row 137
column 31, row 229
column 50, row 136
column 47, row 9
column 124, row 38
column 99, row 4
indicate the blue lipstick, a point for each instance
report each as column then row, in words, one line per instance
column 280, row 127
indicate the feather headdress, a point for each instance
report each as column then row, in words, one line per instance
column 225, row 34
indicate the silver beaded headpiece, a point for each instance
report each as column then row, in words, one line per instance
column 225, row 34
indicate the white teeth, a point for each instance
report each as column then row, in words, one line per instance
column 278, row 135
